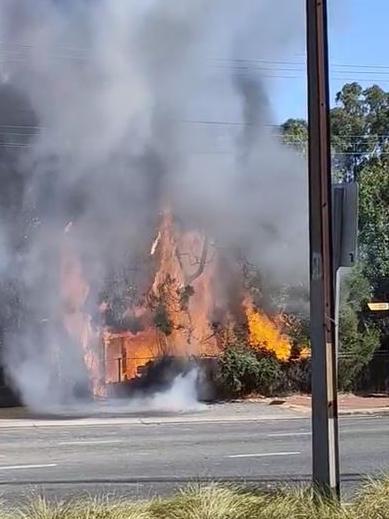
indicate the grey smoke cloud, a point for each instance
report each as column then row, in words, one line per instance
column 115, row 87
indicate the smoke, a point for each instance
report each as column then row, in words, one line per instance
column 115, row 98
column 180, row 397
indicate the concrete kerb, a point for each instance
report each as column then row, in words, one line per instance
column 265, row 411
column 8, row 424
column 377, row 411
column 177, row 420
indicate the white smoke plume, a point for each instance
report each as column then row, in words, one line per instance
column 180, row 397
column 116, row 93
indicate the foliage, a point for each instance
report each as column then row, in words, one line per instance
column 360, row 138
column 254, row 282
column 358, row 339
column 374, row 219
column 298, row 376
column 162, row 321
column 238, row 370
column 295, row 133
column 356, row 349
column 360, row 142
column 270, row 375
column 213, row 501
column 373, row 500
column 243, row 371
column 160, row 302
column 297, row 329
column 359, row 127
column 360, row 149
column 185, row 294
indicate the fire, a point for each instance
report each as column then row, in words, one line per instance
column 265, row 333
column 74, row 291
column 177, row 308
column 182, row 288
column 173, row 317
column 126, row 352
column 305, row 353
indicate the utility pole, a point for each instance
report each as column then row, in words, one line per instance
column 325, row 448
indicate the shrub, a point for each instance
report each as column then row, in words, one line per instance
column 271, row 377
column 238, row 371
column 298, row 376
column 243, row 371
column 358, row 339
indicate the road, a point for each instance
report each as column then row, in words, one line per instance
column 143, row 458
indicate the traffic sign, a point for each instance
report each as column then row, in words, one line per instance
column 378, row 307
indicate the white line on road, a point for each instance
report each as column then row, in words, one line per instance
column 280, row 435
column 263, row 454
column 16, row 467
column 91, row 442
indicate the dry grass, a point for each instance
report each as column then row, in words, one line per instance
column 215, row 502
column 373, row 500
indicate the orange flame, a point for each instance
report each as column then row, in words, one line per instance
column 178, row 307
column 265, row 333
column 127, row 352
column 74, row 291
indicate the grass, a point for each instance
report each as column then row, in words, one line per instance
column 215, row 502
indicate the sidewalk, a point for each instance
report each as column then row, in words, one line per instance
column 242, row 411
column 348, row 404
column 256, row 409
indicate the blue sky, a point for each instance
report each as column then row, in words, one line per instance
column 359, row 47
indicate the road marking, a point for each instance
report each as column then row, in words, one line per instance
column 263, row 454
column 91, row 442
column 281, row 435
column 16, row 467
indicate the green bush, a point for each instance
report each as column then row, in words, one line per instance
column 358, row 338
column 271, row 378
column 238, row 371
column 244, row 370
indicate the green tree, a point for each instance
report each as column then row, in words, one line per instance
column 360, row 151
column 295, row 133
column 359, row 128
column 374, row 219
column 360, row 146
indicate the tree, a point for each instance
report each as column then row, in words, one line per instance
column 295, row 133
column 360, row 145
column 374, row 219
column 360, row 151
column 359, row 128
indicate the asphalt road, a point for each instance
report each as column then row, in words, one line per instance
column 143, row 459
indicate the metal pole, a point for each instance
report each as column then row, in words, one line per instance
column 338, row 278
column 325, row 449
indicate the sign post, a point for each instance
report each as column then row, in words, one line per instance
column 345, row 235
